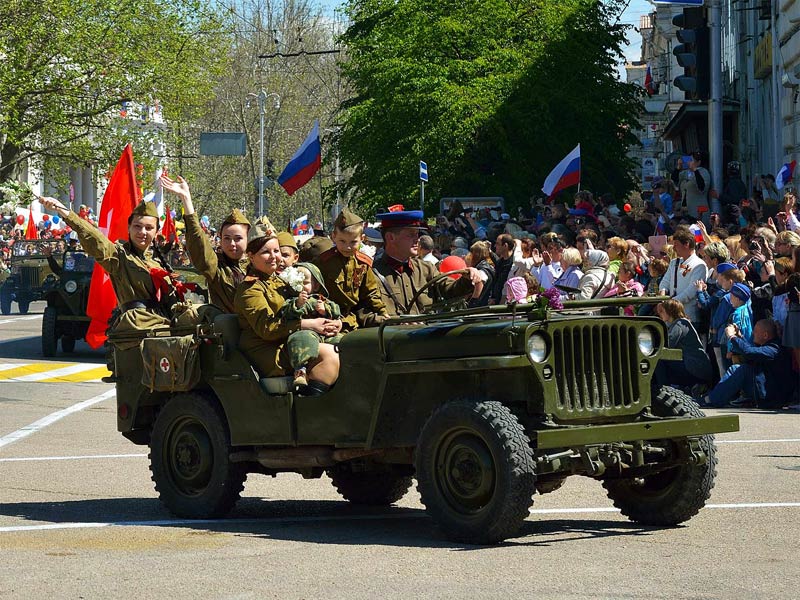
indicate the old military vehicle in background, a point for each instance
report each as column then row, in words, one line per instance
column 67, row 295
column 485, row 407
column 29, row 271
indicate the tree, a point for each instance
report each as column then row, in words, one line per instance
column 67, row 68
column 490, row 93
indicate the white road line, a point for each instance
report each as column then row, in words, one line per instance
column 783, row 440
column 27, row 318
column 315, row 519
column 9, row 366
column 87, row 457
column 62, row 372
column 19, row 434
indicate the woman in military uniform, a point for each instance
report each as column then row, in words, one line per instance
column 223, row 269
column 258, row 302
column 145, row 303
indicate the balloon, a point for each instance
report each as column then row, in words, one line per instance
column 48, row 224
column 45, row 218
column 626, row 207
column 452, row 263
column 20, row 219
column 172, row 213
column 204, row 219
column 56, row 219
column 67, row 229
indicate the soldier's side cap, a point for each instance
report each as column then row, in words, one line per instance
column 145, row 209
column 261, row 229
column 287, row 239
column 312, row 248
column 373, row 235
column 399, row 217
column 235, row 218
column 316, row 274
column 347, row 218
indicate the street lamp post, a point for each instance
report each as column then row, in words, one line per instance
column 262, row 111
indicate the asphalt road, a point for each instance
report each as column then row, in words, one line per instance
column 79, row 519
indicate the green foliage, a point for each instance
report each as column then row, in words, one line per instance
column 490, row 93
column 68, row 66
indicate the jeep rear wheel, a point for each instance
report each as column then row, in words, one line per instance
column 189, row 459
column 674, row 495
column 49, row 337
column 380, row 486
column 475, row 471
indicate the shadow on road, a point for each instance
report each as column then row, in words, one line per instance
column 30, row 348
column 317, row 521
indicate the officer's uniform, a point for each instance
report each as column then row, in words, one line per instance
column 400, row 281
column 130, row 272
column 222, row 274
column 258, row 302
column 351, row 282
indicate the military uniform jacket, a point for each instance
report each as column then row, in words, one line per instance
column 258, row 303
column 353, row 286
column 127, row 267
column 399, row 288
column 221, row 273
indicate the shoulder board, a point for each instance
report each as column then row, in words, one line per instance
column 250, row 278
column 364, row 258
column 327, row 255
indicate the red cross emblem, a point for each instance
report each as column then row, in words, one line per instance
column 164, row 364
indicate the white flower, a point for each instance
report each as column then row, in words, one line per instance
column 294, row 278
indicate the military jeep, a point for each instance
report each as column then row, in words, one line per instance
column 484, row 406
column 65, row 316
column 30, row 274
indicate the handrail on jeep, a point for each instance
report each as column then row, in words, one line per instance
column 511, row 309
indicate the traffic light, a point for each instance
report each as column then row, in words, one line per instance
column 692, row 53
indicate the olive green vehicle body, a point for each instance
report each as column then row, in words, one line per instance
column 593, row 389
column 67, row 295
column 30, row 275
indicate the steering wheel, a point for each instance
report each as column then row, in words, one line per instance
column 447, row 304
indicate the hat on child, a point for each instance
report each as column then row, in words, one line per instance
column 516, row 289
column 287, row 239
column 346, row 218
column 722, row 267
column 741, row 291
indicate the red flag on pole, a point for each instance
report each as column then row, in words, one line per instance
column 30, row 230
column 168, row 228
column 119, row 201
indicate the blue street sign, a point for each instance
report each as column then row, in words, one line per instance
column 423, row 171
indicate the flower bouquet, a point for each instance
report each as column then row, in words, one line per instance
column 545, row 301
column 293, row 278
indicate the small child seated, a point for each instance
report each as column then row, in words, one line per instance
column 311, row 303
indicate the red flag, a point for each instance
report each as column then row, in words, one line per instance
column 168, row 228
column 30, row 230
column 119, row 201
column 649, row 85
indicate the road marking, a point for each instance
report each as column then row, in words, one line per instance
column 282, row 520
column 19, row 434
column 27, row 318
column 784, row 440
column 52, row 372
column 86, row 457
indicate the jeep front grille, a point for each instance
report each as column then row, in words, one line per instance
column 596, row 367
column 29, row 277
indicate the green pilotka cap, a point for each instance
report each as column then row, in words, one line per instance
column 312, row 248
column 145, row 209
column 261, row 228
column 235, row 218
column 287, row 239
column 347, row 218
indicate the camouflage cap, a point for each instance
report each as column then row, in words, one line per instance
column 145, row 209
column 287, row 239
column 312, row 248
column 347, row 218
column 235, row 218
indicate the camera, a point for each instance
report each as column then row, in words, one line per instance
column 754, row 246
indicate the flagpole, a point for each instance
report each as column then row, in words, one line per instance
column 321, row 199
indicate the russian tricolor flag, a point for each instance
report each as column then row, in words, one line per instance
column 304, row 164
column 567, row 173
column 784, row 176
column 698, row 233
column 300, row 226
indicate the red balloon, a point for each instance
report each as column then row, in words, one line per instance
column 626, row 207
column 67, row 229
column 45, row 217
column 20, row 219
column 452, row 263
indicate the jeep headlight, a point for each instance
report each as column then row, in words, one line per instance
column 537, row 348
column 71, row 286
column 647, row 343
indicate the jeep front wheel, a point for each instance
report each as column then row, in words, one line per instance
column 5, row 300
column 189, row 459
column 49, row 336
column 379, row 486
column 676, row 494
column 475, row 471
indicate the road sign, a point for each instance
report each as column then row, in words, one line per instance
column 223, row 144
column 423, row 171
